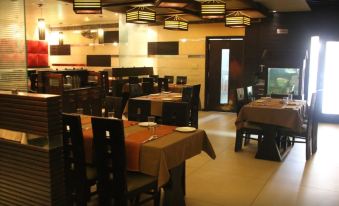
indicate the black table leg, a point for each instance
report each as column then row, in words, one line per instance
column 268, row 149
column 174, row 191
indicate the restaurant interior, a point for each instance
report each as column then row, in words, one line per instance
column 169, row 102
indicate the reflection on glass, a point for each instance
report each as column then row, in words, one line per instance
column 313, row 73
column 331, row 84
column 283, row 80
column 225, row 59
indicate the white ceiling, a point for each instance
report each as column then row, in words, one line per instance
column 59, row 13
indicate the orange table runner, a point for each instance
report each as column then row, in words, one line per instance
column 133, row 142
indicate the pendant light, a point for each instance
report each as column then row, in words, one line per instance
column 213, row 9
column 87, row 6
column 41, row 25
column 140, row 15
column 237, row 19
column 176, row 23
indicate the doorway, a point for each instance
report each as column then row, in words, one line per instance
column 323, row 76
column 224, row 72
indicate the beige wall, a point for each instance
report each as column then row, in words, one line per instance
column 191, row 59
column 132, row 49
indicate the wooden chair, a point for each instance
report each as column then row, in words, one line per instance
column 139, row 110
column 54, row 84
column 147, row 88
column 116, row 105
column 249, row 93
column 117, row 86
column 187, row 94
column 247, row 129
column 175, row 113
column 133, row 80
column 79, row 176
column 304, row 136
column 155, row 77
column 135, row 90
column 240, row 99
column 170, row 79
column 162, row 84
column 115, row 184
column 195, row 106
column 148, row 79
column 181, row 80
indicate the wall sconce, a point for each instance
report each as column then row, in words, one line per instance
column 140, row 15
column 41, row 28
column 61, row 38
column 87, row 6
column 237, row 19
column 176, row 23
column 101, row 36
column 213, row 9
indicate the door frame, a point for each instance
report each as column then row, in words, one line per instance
column 207, row 69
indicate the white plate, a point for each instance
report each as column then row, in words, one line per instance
column 259, row 101
column 185, row 129
column 156, row 94
column 167, row 99
column 166, row 92
column 146, row 124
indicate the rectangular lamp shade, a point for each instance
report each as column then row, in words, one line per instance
column 176, row 25
column 171, row 3
column 87, row 6
column 212, row 10
column 140, row 16
column 41, row 29
column 237, row 21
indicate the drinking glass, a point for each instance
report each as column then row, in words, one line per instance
column 152, row 126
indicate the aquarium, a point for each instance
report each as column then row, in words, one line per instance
column 283, row 80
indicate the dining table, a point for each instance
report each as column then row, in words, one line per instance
column 163, row 157
column 271, row 114
column 157, row 100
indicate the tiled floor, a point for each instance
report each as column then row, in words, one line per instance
column 240, row 179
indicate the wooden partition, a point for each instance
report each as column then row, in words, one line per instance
column 31, row 171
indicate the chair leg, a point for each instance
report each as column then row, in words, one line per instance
column 308, row 148
column 238, row 141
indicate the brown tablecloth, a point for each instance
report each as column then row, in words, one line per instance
column 157, row 101
column 274, row 112
column 157, row 157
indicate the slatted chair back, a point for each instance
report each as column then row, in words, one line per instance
column 147, row 88
column 175, row 113
column 155, row 77
column 133, row 80
column 135, row 90
column 195, row 105
column 162, row 84
column 110, row 155
column 148, row 79
column 54, row 83
column 170, row 78
column 240, row 99
column 249, row 93
column 187, row 94
column 181, row 80
column 74, row 157
column 139, row 110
